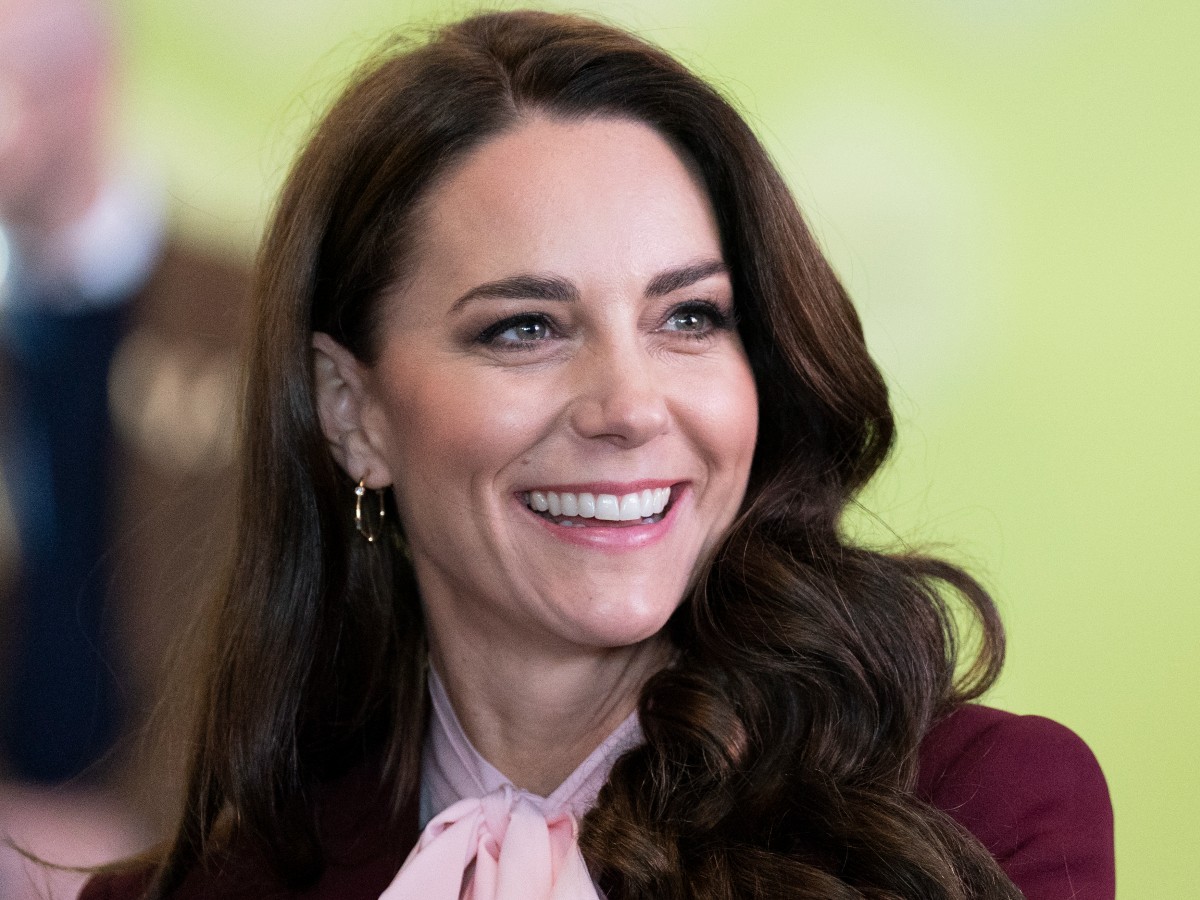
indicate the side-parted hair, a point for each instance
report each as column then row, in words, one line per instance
column 781, row 748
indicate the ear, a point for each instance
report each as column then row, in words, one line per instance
column 340, row 382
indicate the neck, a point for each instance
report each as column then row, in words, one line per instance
column 537, row 719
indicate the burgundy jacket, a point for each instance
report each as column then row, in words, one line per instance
column 1026, row 787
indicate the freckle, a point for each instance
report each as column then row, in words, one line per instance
column 526, row 461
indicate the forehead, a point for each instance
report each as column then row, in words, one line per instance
column 600, row 199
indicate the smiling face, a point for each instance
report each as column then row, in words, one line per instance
column 561, row 403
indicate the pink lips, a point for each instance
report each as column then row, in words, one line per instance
column 609, row 535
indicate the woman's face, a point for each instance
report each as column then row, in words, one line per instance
column 561, row 363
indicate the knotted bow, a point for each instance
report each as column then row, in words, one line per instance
column 499, row 847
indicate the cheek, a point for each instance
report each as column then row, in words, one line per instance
column 727, row 406
column 448, row 433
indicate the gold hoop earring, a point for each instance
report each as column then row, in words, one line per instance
column 360, row 520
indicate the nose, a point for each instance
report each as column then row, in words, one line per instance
column 620, row 398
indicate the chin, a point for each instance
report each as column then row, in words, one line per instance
column 625, row 625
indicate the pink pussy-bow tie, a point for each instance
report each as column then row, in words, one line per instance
column 518, row 854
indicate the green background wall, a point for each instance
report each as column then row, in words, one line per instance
column 1010, row 189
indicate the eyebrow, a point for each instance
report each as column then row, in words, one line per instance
column 672, row 280
column 521, row 287
column 555, row 288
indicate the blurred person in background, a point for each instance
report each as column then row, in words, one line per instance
column 81, row 237
column 78, row 238
column 111, row 330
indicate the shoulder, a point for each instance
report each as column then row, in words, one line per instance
column 123, row 884
column 363, row 845
column 1033, row 794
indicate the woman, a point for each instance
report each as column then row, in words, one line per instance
column 553, row 411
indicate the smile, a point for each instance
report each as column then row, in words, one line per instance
column 568, row 508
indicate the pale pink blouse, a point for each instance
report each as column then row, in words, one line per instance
column 484, row 838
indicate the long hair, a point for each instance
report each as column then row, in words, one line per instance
column 780, row 750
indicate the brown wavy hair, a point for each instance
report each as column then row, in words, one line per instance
column 781, row 748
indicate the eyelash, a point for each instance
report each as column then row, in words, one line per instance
column 718, row 320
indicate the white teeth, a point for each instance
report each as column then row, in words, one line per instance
column 606, row 507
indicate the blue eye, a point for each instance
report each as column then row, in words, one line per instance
column 696, row 319
column 532, row 330
column 688, row 320
column 515, row 331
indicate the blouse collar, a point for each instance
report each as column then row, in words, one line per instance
column 452, row 769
